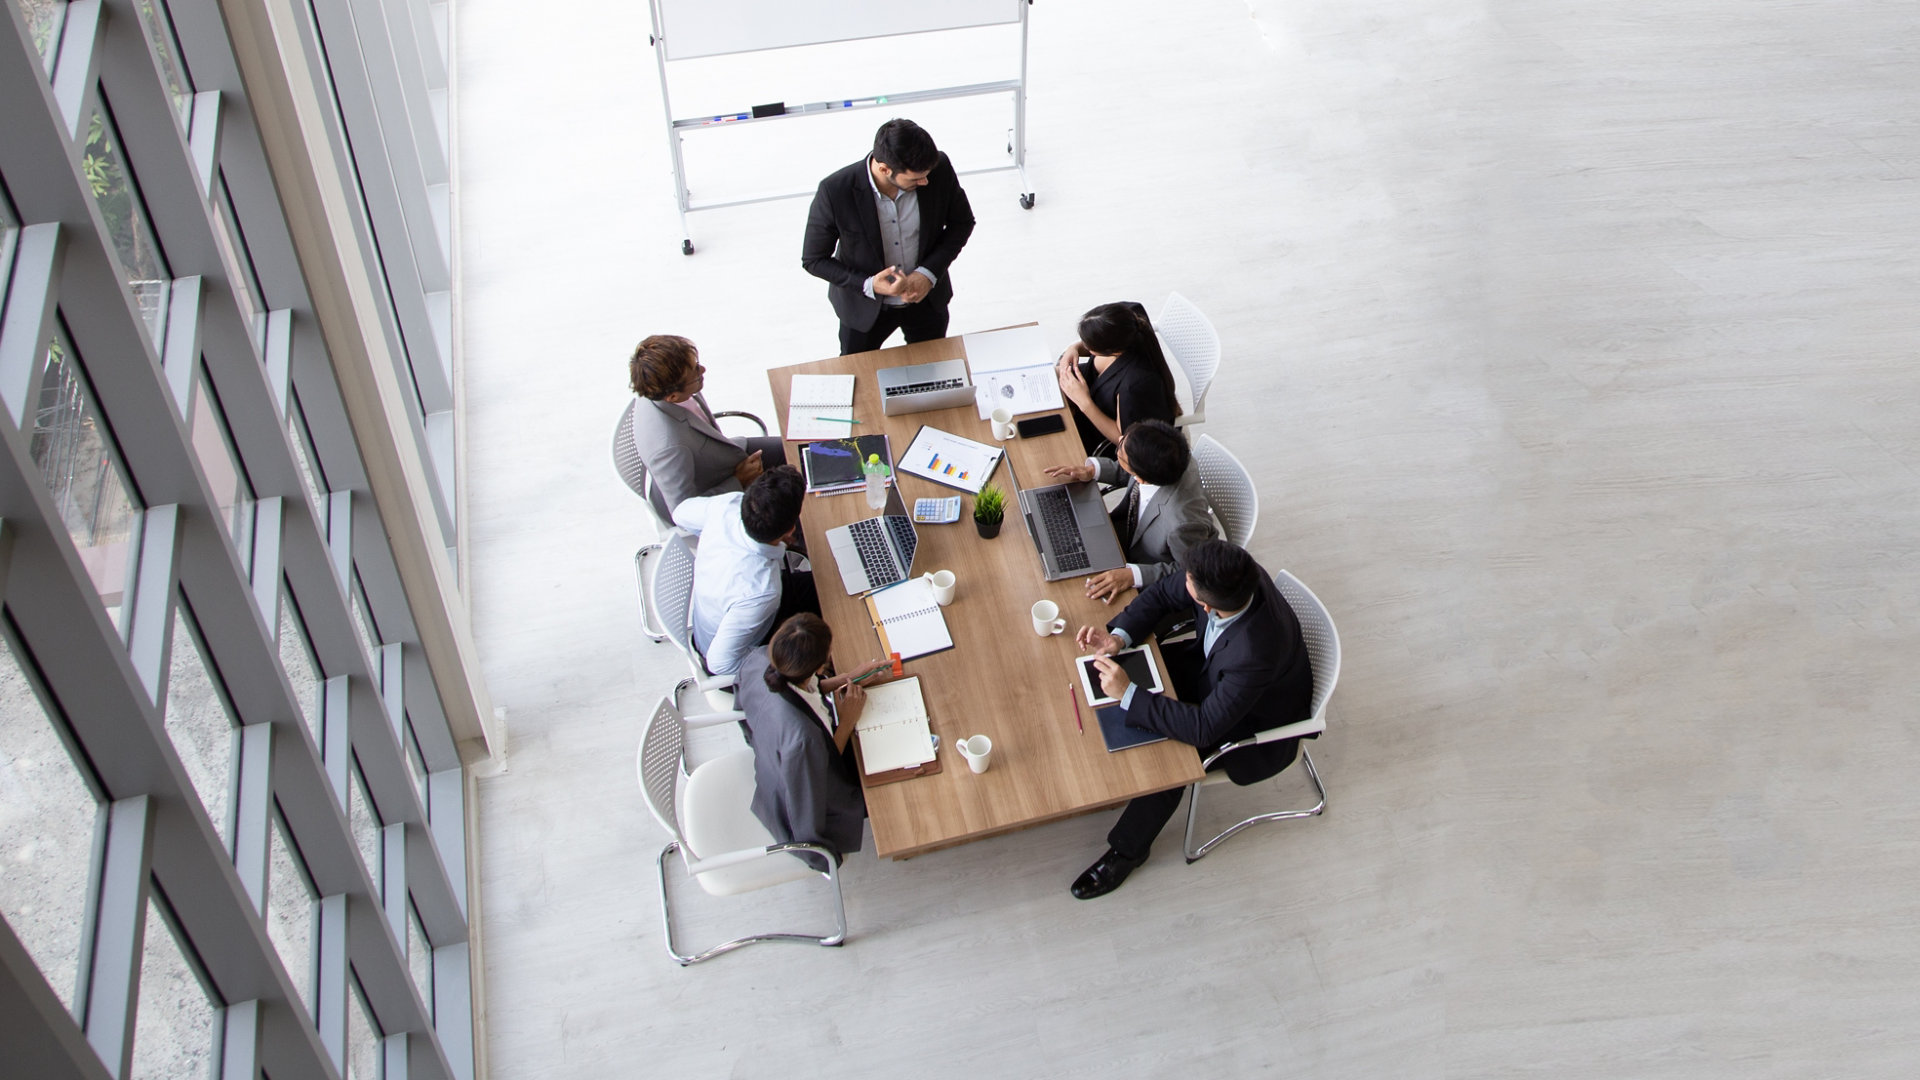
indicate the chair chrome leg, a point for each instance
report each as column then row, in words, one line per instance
column 838, row 937
column 1193, row 813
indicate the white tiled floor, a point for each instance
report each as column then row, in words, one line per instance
column 1572, row 347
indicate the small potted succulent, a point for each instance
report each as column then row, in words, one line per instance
column 989, row 510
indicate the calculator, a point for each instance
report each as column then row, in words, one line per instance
column 936, row 511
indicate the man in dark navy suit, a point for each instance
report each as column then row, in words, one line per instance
column 1245, row 671
column 882, row 232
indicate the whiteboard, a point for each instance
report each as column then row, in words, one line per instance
column 692, row 28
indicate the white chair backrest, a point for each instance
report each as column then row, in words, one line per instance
column 626, row 459
column 673, row 592
column 661, row 762
column 1194, row 343
column 1323, row 641
column 1229, row 488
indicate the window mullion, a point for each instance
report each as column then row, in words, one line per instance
column 113, row 981
column 78, row 64
column 28, row 324
column 181, row 354
column 152, row 590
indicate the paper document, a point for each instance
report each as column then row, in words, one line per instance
column 909, row 620
column 945, row 458
column 820, row 407
column 893, row 728
column 1012, row 370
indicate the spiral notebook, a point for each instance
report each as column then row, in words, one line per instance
column 893, row 728
column 820, row 407
column 908, row 619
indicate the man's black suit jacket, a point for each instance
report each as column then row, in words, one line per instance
column 1257, row 678
column 842, row 244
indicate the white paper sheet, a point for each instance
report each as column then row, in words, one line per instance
column 1006, row 350
column 945, row 458
column 1028, row 390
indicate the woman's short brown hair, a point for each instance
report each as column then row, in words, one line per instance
column 799, row 648
column 661, row 365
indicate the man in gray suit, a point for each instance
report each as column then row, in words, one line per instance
column 1162, row 514
column 674, row 430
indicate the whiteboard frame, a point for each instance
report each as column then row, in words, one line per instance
column 1016, row 6
column 675, row 126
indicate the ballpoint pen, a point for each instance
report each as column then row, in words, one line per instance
column 838, row 419
column 1075, row 698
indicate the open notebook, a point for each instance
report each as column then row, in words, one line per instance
column 893, row 727
column 909, row 620
column 820, row 407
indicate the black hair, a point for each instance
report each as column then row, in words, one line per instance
column 800, row 647
column 1224, row 575
column 772, row 504
column 1123, row 327
column 1156, row 452
column 904, row 146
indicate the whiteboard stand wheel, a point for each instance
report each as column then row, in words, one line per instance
column 1026, row 201
column 686, row 247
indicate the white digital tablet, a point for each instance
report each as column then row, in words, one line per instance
column 1137, row 662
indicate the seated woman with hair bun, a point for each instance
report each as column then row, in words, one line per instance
column 1115, row 375
column 799, row 721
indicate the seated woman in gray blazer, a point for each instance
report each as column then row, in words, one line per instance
column 799, row 722
column 674, row 430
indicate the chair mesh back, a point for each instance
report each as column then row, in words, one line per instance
column 673, row 591
column 1195, row 343
column 1229, row 489
column 660, row 763
column 1323, row 641
column 626, row 459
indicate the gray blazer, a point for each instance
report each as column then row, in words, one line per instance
column 1174, row 521
column 686, row 455
column 804, row 790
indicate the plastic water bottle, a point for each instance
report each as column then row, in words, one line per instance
column 876, row 474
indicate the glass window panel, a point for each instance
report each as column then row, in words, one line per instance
column 363, row 1039
column 365, row 822
column 290, row 904
column 200, row 726
column 234, row 243
column 297, row 657
column 420, row 956
column 416, row 763
column 302, row 458
column 43, row 22
column 47, row 825
column 9, row 235
column 213, row 445
column 133, row 238
column 82, row 471
column 176, row 1025
column 166, row 50
column 362, row 618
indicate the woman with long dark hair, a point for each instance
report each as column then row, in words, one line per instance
column 800, row 720
column 1115, row 375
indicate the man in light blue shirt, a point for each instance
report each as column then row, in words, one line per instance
column 742, row 587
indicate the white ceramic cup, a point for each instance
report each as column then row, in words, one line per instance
column 978, row 751
column 1046, row 619
column 942, row 582
column 1002, row 424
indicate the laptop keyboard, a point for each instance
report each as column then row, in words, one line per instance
column 870, row 540
column 1063, row 531
column 925, row 387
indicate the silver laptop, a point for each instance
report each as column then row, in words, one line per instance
column 875, row 552
column 1069, row 526
column 942, row 384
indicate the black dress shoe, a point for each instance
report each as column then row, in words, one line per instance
column 1105, row 875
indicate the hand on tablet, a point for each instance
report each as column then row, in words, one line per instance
column 1113, row 677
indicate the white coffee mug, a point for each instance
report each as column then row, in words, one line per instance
column 978, row 751
column 1046, row 620
column 1002, row 424
column 942, row 583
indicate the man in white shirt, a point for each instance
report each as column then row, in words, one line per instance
column 1162, row 514
column 742, row 587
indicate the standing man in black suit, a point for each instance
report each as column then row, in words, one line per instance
column 882, row 232
column 1245, row 672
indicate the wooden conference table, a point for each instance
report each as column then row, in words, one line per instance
column 1000, row 679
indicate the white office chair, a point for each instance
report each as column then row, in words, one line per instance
column 1195, row 346
column 1229, row 489
column 708, row 812
column 667, row 596
column 1323, row 652
column 626, row 459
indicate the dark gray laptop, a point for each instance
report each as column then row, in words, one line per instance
column 942, row 384
column 1069, row 526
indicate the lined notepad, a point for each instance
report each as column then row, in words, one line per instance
column 811, row 397
column 909, row 620
column 893, row 728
